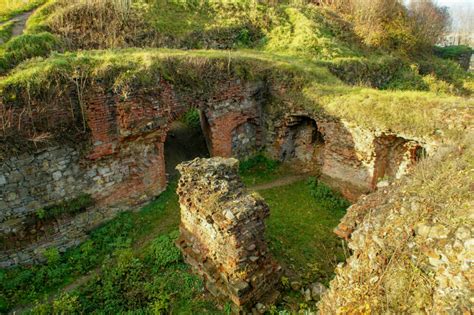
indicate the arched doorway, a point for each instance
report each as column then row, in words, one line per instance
column 185, row 141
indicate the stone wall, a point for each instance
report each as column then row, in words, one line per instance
column 222, row 232
column 121, row 167
column 350, row 158
column 51, row 176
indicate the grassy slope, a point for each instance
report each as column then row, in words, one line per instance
column 290, row 56
column 417, row 114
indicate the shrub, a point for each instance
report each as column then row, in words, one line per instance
column 260, row 162
column 321, row 191
column 373, row 72
column 27, row 46
column 407, row 78
column 163, row 252
column 452, row 52
column 192, row 118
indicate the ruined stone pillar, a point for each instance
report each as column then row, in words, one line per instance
column 222, row 232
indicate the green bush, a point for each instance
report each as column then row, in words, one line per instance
column 374, row 71
column 27, row 46
column 407, row 78
column 258, row 162
column 452, row 52
column 163, row 252
column 322, row 192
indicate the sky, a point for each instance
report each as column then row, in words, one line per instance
column 449, row 3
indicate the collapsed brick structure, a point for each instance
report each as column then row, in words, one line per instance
column 120, row 160
column 222, row 232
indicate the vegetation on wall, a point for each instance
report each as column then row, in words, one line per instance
column 69, row 207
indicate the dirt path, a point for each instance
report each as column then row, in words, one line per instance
column 68, row 288
column 19, row 23
column 280, row 182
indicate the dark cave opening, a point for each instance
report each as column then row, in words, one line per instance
column 185, row 141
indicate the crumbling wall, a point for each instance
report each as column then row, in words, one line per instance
column 411, row 243
column 222, row 232
column 347, row 157
column 121, row 166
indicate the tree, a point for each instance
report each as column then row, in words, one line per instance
column 429, row 22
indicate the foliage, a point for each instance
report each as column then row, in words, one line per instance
column 26, row 46
column 260, row 162
column 322, row 192
column 162, row 251
column 428, row 21
column 26, row 284
column 407, row 78
column 72, row 206
column 304, row 32
column 372, row 72
column 192, row 118
column 6, row 31
column 389, row 25
column 131, row 283
column 452, row 52
column 300, row 229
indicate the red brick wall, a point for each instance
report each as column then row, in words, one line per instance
column 221, row 133
column 122, row 128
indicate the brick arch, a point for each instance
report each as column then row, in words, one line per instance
column 131, row 132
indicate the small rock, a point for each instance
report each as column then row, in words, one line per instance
column 438, row 232
column 463, row 233
column 251, row 247
column 317, row 289
column 57, row 175
column 383, row 183
column 295, row 285
column 307, row 295
column 260, row 308
column 3, row 180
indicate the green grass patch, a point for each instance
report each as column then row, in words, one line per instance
column 300, row 229
column 6, row 31
column 260, row 169
column 27, row 46
column 12, row 8
column 156, row 281
column 22, row 285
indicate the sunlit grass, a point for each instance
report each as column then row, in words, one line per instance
column 10, row 8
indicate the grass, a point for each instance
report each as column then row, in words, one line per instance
column 26, row 46
column 141, row 268
column 300, row 231
column 11, row 8
column 6, row 31
column 307, row 84
column 23, row 285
